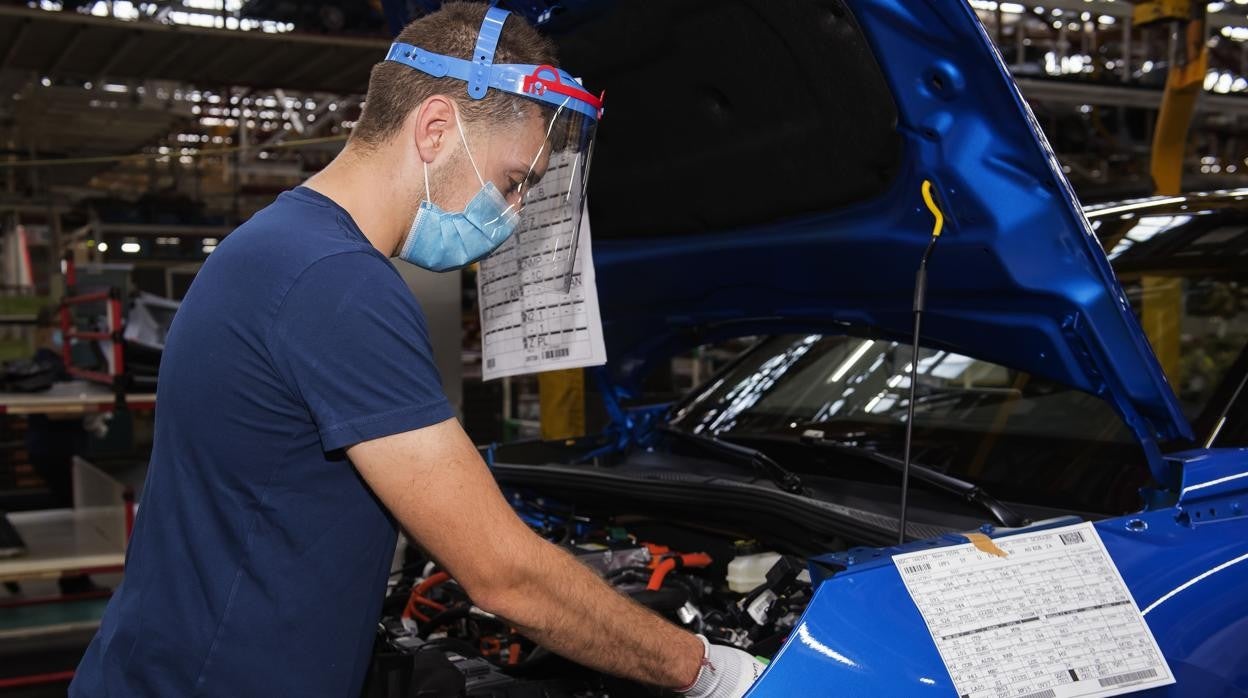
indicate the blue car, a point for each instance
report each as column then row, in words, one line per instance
column 761, row 172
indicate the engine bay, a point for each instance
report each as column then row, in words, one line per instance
column 433, row 641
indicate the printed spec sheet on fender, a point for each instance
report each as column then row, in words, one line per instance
column 1052, row 618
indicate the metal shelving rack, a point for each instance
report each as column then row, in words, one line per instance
column 115, row 376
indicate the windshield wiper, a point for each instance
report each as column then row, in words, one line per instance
column 760, row 462
column 967, row 491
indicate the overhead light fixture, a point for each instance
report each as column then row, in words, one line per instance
column 1137, row 205
column 849, row 362
column 131, row 247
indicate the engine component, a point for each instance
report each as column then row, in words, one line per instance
column 747, row 572
column 611, row 556
column 430, row 620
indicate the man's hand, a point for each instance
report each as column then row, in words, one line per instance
column 727, row 672
column 435, row 483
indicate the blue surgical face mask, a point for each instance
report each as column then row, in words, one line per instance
column 442, row 241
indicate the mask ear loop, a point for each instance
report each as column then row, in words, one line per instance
column 464, row 139
column 460, row 125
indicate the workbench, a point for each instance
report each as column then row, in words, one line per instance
column 72, row 397
column 67, row 541
column 87, row 539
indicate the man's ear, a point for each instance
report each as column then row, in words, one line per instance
column 433, row 121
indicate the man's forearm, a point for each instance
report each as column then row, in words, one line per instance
column 568, row 609
column 439, row 488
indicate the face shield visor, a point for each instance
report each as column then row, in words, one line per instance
column 548, row 190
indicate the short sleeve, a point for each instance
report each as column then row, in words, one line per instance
column 350, row 340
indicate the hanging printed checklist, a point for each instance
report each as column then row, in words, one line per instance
column 532, row 319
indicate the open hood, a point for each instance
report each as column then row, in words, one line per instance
column 759, row 170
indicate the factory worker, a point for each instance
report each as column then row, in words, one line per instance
column 301, row 419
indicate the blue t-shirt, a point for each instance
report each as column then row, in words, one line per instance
column 259, row 557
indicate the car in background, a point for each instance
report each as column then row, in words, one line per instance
column 783, row 193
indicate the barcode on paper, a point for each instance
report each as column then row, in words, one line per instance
column 558, row 353
column 915, row 569
column 1072, row 538
column 1128, row 677
column 1046, row 693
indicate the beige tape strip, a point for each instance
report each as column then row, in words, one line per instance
column 985, row 544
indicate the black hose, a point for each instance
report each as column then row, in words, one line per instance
column 613, row 574
column 446, row 617
column 453, row 644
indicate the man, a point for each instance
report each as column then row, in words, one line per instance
column 301, row 416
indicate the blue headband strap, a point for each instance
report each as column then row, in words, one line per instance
column 481, row 74
column 508, row 77
column 483, row 55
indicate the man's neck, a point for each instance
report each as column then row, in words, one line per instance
column 368, row 186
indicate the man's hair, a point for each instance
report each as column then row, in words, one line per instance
column 394, row 90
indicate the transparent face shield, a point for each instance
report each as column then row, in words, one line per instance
column 548, row 192
column 539, row 164
column 552, row 200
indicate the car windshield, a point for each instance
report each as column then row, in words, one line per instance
column 989, row 424
column 1022, row 437
column 863, row 384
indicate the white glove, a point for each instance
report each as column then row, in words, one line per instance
column 726, row 672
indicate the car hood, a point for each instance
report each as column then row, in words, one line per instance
column 759, row 170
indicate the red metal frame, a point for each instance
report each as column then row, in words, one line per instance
column 37, row 679
column 30, row 268
column 131, row 509
column 87, row 298
column 115, row 377
column 21, row 602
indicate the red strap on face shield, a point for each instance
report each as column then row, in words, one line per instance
column 536, row 84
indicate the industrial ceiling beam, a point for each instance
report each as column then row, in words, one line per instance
column 155, row 67
column 1232, row 14
column 120, row 52
column 350, row 68
column 16, row 44
column 308, row 68
column 207, row 68
column 1070, row 92
column 66, row 49
column 174, row 52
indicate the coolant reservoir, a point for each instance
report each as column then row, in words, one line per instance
column 747, row 572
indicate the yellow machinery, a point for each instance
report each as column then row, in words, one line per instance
column 1189, row 61
column 1162, row 302
column 562, row 399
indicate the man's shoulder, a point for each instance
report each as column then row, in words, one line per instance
column 294, row 235
column 300, row 228
column 293, row 243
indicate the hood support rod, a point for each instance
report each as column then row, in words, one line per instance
column 920, row 302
